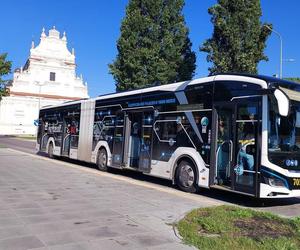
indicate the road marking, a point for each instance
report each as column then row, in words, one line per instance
column 194, row 197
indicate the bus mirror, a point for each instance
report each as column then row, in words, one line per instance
column 283, row 102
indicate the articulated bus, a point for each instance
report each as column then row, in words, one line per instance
column 233, row 132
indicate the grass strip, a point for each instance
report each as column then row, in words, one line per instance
column 232, row 227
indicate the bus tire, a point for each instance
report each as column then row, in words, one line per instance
column 102, row 160
column 50, row 151
column 186, row 177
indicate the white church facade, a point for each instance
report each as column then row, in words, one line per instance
column 48, row 78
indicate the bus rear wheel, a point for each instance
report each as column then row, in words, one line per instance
column 102, row 160
column 186, row 177
column 50, row 150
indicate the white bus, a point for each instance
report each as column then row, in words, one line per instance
column 239, row 133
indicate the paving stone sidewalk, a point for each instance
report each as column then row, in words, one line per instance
column 47, row 205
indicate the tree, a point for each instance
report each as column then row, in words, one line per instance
column 154, row 47
column 5, row 67
column 239, row 38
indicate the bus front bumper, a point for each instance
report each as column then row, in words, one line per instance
column 267, row 191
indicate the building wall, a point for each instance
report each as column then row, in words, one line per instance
column 17, row 114
column 32, row 84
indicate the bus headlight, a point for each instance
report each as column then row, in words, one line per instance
column 273, row 179
column 274, row 182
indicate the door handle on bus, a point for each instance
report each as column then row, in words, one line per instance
column 231, row 150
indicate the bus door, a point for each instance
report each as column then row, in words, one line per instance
column 135, row 138
column 224, row 144
column 70, row 136
column 146, row 142
column 236, row 154
column 66, row 137
column 119, row 139
column 139, row 139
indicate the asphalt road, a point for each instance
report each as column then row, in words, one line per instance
column 285, row 207
column 27, row 146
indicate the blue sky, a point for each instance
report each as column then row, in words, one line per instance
column 93, row 28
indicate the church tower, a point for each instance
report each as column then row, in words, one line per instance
column 50, row 71
column 47, row 78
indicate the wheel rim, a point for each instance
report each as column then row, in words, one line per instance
column 102, row 159
column 186, row 176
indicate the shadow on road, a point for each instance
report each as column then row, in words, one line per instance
column 29, row 147
column 225, row 196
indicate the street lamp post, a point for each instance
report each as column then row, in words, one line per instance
column 280, row 37
column 40, row 86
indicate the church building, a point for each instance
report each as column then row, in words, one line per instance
column 47, row 78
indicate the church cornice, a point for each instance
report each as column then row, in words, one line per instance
column 62, row 66
column 13, row 93
column 36, row 58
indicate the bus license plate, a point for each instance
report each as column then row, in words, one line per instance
column 296, row 183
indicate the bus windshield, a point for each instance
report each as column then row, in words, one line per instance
column 284, row 132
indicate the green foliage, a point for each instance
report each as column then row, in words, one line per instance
column 218, row 228
column 239, row 38
column 293, row 79
column 5, row 67
column 154, row 47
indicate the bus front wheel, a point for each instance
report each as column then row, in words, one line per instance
column 186, row 177
column 102, row 160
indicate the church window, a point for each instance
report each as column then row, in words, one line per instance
column 52, row 76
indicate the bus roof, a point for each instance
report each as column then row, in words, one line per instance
column 181, row 85
column 268, row 79
column 263, row 81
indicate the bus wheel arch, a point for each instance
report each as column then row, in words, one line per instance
column 185, row 170
column 102, row 159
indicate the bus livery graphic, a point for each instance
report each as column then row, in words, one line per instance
column 239, row 133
